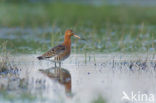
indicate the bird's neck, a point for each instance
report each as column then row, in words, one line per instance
column 67, row 42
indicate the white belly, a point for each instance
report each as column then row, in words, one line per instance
column 58, row 58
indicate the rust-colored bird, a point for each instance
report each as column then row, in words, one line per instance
column 60, row 52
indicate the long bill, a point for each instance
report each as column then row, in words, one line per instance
column 76, row 36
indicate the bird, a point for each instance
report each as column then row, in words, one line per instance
column 60, row 52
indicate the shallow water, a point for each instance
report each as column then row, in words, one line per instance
column 82, row 79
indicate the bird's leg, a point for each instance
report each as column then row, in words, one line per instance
column 55, row 64
column 60, row 65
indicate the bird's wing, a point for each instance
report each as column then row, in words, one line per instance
column 54, row 51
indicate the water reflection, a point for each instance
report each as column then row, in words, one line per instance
column 60, row 75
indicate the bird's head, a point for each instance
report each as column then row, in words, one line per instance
column 70, row 33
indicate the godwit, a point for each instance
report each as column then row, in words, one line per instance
column 60, row 52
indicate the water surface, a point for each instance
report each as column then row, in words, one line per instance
column 81, row 79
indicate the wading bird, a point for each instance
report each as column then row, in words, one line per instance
column 60, row 52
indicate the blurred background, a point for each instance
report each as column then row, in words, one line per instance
column 31, row 26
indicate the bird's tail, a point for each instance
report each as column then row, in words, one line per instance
column 40, row 58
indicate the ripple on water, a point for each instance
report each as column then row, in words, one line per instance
column 112, row 74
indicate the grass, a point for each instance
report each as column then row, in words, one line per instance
column 63, row 14
column 127, row 39
column 105, row 28
column 5, row 63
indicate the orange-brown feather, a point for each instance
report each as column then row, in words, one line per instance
column 62, row 51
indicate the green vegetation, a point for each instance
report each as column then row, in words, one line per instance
column 21, row 97
column 100, row 99
column 70, row 15
column 104, row 28
column 5, row 64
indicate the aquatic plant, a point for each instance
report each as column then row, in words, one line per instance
column 5, row 63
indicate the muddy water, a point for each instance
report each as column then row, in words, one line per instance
column 81, row 79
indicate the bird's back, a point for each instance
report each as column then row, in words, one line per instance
column 56, row 54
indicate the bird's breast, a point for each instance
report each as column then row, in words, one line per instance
column 61, row 56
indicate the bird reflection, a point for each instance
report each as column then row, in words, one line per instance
column 61, row 76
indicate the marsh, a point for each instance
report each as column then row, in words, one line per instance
column 115, row 54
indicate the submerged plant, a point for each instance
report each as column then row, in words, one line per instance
column 5, row 64
column 100, row 99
